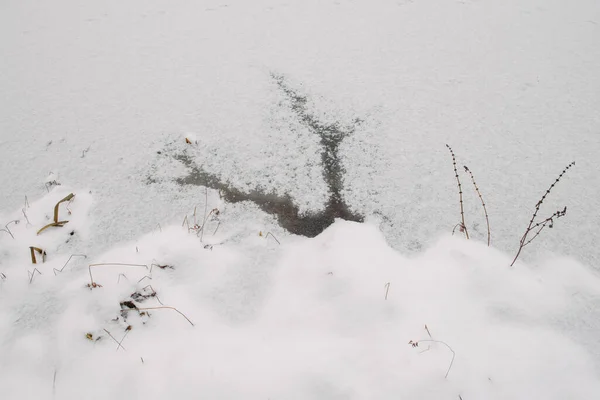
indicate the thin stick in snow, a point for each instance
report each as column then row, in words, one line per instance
column 93, row 284
column 116, row 341
column 547, row 222
column 171, row 308
column 63, row 267
column 487, row 220
column 463, row 226
column 416, row 344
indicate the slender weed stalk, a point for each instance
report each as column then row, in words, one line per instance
column 487, row 220
column 94, row 284
column 119, row 345
column 63, row 267
column 461, row 224
column 165, row 307
column 56, row 222
column 42, row 252
column 416, row 344
column 539, row 226
column 32, row 274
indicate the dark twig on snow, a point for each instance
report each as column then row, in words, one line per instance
column 487, row 220
column 539, row 226
column 462, row 225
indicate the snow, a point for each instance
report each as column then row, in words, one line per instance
column 328, row 317
column 98, row 99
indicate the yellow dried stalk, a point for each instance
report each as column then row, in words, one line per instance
column 33, row 249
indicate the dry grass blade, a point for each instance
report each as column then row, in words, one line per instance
column 416, row 344
column 67, row 198
column 33, row 249
column 58, row 224
column 487, row 220
column 63, row 267
column 7, row 229
column 463, row 226
column 167, row 307
column 93, row 284
column 32, row 274
column 273, row 236
column 116, row 341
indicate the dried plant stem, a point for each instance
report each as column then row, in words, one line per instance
column 7, row 229
column 539, row 226
column 111, row 264
column 72, row 255
column 415, row 344
column 460, row 193
column 273, row 236
column 167, row 307
column 33, row 249
column 124, row 336
column 487, row 220
column 205, row 210
column 69, row 197
column 116, row 341
column 32, row 274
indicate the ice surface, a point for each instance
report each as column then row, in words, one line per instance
column 98, row 98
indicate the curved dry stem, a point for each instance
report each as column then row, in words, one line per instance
column 170, row 308
column 445, row 344
column 63, row 267
column 58, row 224
column 111, row 264
column 69, row 197
column 273, row 236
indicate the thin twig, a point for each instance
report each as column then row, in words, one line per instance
column 205, row 210
column 548, row 221
column 112, row 264
column 429, row 333
column 116, row 341
column 460, row 193
column 416, row 344
column 124, row 336
column 172, row 308
column 25, row 215
column 487, row 220
column 154, row 294
column 7, row 231
column 63, row 267
column 269, row 233
column 32, row 274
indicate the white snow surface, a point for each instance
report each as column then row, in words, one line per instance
column 511, row 85
column 322, row 318
column 95, row 97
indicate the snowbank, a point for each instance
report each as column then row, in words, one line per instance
column 323, row 318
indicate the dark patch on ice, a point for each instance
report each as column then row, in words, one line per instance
column 287, row 213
